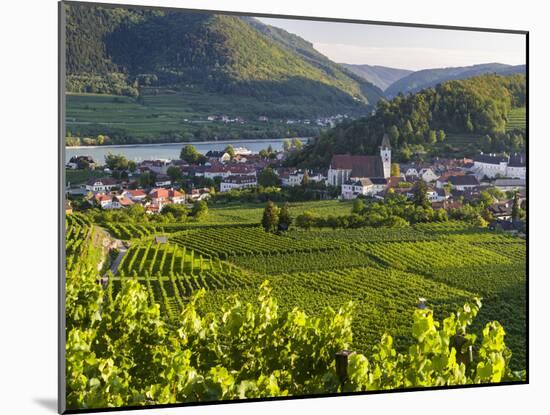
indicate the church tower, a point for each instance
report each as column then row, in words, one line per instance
column 385, row 155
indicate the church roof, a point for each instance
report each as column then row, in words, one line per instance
column 360, row 166
column 385, row 141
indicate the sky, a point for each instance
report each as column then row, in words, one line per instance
column 405, row 47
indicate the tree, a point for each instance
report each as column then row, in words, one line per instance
column 285, row 220
column 268, row 178
column 116, row 161
column 178, row 211
column 200, row 210
column 147, row 179
column 395, row 170
column 420, row 197
column 297, row 144
column 306, row 220
column 432, row 137
column 190, row 154
column 270, row 218
column 516, row 207
column 441, row 136
column 305, row 178
column 393, row 133
column 230, row 150
column 174, row 173
column 358, row 206
column 287, row 145
column 132, row 166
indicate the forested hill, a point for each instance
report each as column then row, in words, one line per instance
column 426, row 78
column 478, row 106
column 115, row 50
column 381, row 76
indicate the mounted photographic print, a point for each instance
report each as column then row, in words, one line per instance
column 259, row 207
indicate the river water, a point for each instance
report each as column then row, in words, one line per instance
column 170, row 151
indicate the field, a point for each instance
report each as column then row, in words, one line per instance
column 383, row 271
column 516, row 119
column 164, row 113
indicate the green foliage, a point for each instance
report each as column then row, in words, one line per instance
column 116, row 162
column 268, row 178
column 190, row 154
column 124, row 354
column 270, row 218
column 479, row 105
column 200, row 210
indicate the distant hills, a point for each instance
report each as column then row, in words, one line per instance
column 381, row 76
column 123, row 50
column 426, row 78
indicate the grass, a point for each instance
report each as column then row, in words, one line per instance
column 165, row 112
column 75, row 177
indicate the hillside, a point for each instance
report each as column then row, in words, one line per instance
column 120, row 51
column 426, row 78
column 486, row 109
column 381, row 76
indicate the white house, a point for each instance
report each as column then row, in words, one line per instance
column 237, row 182
column 492, row 165
column 101, row 185
column 428, row 175
column 352, row 189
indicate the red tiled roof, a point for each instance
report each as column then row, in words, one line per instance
column 158, row 193
column 360, row 166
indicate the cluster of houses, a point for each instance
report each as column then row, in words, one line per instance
column 449, row 181
column 329, row 121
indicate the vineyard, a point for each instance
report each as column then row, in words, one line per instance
column 516, row 119
column 383, row 270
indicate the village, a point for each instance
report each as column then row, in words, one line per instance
column 449, row 183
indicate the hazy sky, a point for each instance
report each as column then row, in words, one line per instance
column 405, row 47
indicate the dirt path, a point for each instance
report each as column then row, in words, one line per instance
column 116, row 262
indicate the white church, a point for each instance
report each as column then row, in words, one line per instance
column 361, row 175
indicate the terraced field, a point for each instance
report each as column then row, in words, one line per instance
column 516, row 119
column 383, row 271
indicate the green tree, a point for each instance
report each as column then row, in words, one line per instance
column 358, row 206
column 116, row 162
column 305, row 178
column 395, row 170
column 190, row 154
column 268, row 178
column 516, row 207
column 297, row 143
column 147, row 179
column 285, row 219
column 432, row 137
column 287, row 145
column 178, row 211
column 441, row 136
column 174, row 173
column 420, row 197
column 270, row 217
column 200, row 210
column 230, row 150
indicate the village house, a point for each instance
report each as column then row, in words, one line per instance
column 202, row 193
column 509, row 184
column 223, row 171
column 428, row 175
column 137, row 195
column 220, row 156
column 492, row 165
column 112, row 201
column 101, row 185
column 156, row 166
column 237, row 182
column 162, row 181
column 463, row 183
column 344, row 167
column 160, row 197
column 80, row 162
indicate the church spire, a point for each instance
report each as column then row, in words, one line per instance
column 385, row 142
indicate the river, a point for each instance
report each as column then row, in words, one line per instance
column 170, row 151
